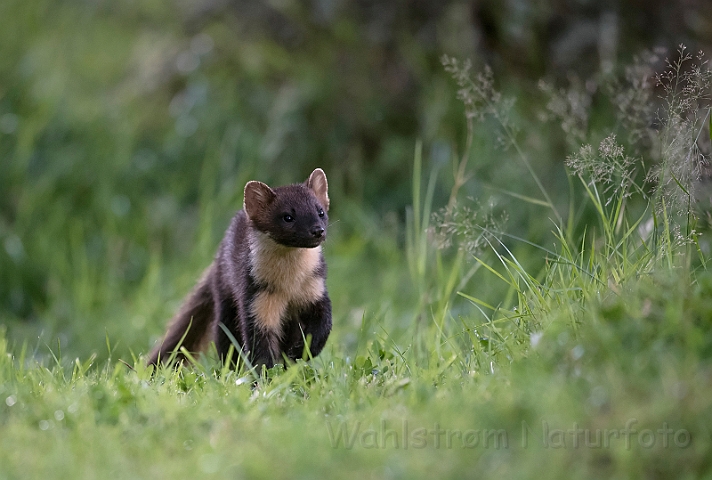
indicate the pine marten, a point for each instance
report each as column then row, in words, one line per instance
column 266, row 285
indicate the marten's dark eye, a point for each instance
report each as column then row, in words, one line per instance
column 321, row 212
column 288, row 218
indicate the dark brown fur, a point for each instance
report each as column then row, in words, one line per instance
column 266, row 287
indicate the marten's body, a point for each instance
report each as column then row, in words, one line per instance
column 266, row 286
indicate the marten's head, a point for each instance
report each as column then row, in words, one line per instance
column 293, row 215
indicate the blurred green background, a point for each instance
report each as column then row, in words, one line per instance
column 128, row 130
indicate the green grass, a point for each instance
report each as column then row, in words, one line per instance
column 505, row 407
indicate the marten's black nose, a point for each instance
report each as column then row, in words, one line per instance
column 318, row 232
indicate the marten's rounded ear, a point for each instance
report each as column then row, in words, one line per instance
column 258, row 197
column 317, row 182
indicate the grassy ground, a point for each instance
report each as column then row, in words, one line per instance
column 623, row 391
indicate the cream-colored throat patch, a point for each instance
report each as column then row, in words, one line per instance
column 289, row 275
